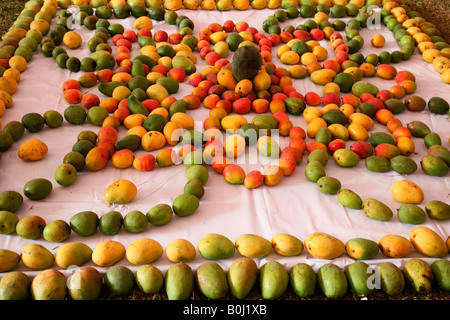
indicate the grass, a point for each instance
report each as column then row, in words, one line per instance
column 9, row 11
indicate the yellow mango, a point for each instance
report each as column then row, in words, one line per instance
column 233, row 122
column 180, row 250
column 153, row 140
column 287, row 245
column 183, row 120
column 406, row 191
column 107, row 253
column 253, row 246
column 8, row 260
column 72, row 254
column 428, row 242
column 36, row 256
column 394, row 246
column 143, row 251
column 32, row 150
column 323, row 76
column 324, row 246
column 120, row 191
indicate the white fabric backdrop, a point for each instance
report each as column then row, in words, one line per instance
column 295, row 206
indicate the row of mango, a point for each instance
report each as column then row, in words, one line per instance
column 242, row 278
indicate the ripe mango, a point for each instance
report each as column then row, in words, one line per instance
column 394, row 246
column 253, row 246
column 211, row 280
column 49, row 284
column 406, row 191
column 15, row 285
column 36, row 256
column 73, row 254
column 358, row 274
column 179, row 281
column 143, row 251
column 349, row 199
column 233, row 122
column 324, row 246
column 361, row 248
column 392, row 280
column 438, row 210
column 287, row 245
column 303, row 280
column 268, row 147
column 273, row 280
column 242, row 276
column 8, row 260
column 418, row 274
column 108, row 252
column 332, row 281
column 376, row 210
column 180, row 250
column 85, row 284
column 411, row 213
column 323, row 76
column 428, row 242
column 215, row 246
column 441, row 273
column 149, row 278
column 120, row 191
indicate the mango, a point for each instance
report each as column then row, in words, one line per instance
column 411, row 213
column 8, row 260
column 303, row 280
column 323, row 76
column 36, row 256
column 111, row 222
column 349, row 199
column 215, row 246
column 73, row 254
column 211, row 280
column 440, row 152
column 361, row 248
column 392, row 280
column 434, row 166
column 268, row 147
column 108, row 252
column 376, row 210
column 324, row 246
column 441, row 273
column 380, row 137
column 319, row 155
column 242, row 276
column 428, row 242
column 120, row 191
column 119, row 280
column 49, row 284
column 438, row 210
column 233, row 122
column 160, row 214
column 30, row 227
column 346, row 158
column 149, row 279
column 358, row 275
column 406, row 191
column 377, row 164
column 273, row 280
column 37, row 189
column 180, row 250
column 253, row 246
column 387, row 150
column 361, row 87
column 332, row 281
column 179, row 281
column 314, row 170
column 394, row 246
column 85, row 284
column 184, row 63
column 418, row 128
column 403, row 164
column 265, row 122
column 143, row 251
column 84, row 223
column 8, row 222
column 15, row 285
column 185, row 204
column 418, row 274
column 287, row 245
column 234, row 146
column 56, row 231
column 10, row 200
column 328, row 185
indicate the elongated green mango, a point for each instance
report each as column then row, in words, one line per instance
column 242, row 276
column 179, row 281
column 273, row 280
column 332, row 281
column 358, row 274
column 303, row 280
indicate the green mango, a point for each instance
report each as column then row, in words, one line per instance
column 84, row 223
column 440, row 152
column 434, row 166
column 319, row 155
column 242, row 276
column 273, row 280
column 377, row 164
column 131, row 142
column 361, row 248
column 179, row 281
column 303, row 280
column 37, row 189
column 119, row 280
column 10, row 200
column 195, row 187
column 57, row 231
column 265, row 122
column 403, row 164
column 110, row 223
column 15, row 285
column 246, row 62
column 349, row 199
column 49, row 284
column 323, row 135
column 346, row 158
column 73, row 254
column 137, row 68
column 395, row 105
column 328, row 185
column 411, row 213
column 361, row 87
column 215, row 246
column 332, row 281
column 160, row 214
column 136, row 106
column 376, row 210
column 211, row 280
column 418, row 274
column 441, row 273
column 85, row 284
column 314, row 170
column 184, row 63
column 149, row 279
column 379, row 137
column 438, row 210
column 392, row 280
column 8, row 222
column 107, row 88
column 418, row 128
column 358, row 274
